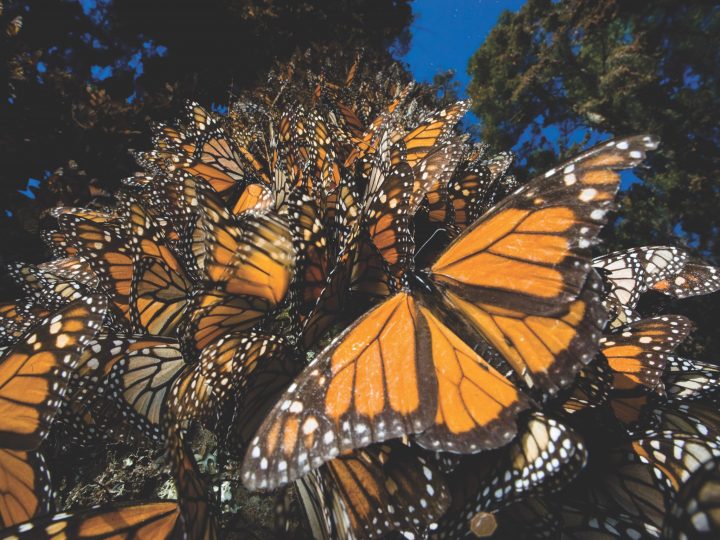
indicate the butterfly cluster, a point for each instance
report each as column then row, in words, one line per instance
column 367, row 308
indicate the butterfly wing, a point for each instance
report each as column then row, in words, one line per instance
column 24, row 486
column 120, row 521
column 159, row 297
column 694, row 279
column 368, row 386
column 630, row 273
column 141, row 379
column 107, row 250
column 529, row 257
column 694, row 513
column 546, row 456
column 371, row 492
column 637, row 353
column 35, row 371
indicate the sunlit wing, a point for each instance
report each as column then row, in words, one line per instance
column 527, row 261
column 368, row 386
column 637, row 353
column 35, row 371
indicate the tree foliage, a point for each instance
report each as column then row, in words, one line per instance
column 558, row 74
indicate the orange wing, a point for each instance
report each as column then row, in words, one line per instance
column 420, row 141
column 214, row 313
column 203, row 149
column 159, row 298
column 106, row 248
column 388, row 218
column 372, row 492
column 519, row 271
column 545, row 351
column 255, row 197
column 637, row 353
column 397, row 371
column 476, row 406
column 35, row 372
column 252, row 257
column 24, row 486
column 367, row 143
column 158, row 520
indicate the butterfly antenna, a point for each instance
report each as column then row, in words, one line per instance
column 435, row 233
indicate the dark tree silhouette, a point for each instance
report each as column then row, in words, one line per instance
column 559, row 75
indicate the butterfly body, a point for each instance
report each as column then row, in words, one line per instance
column 518, row 275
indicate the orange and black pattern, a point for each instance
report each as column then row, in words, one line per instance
column 334, row 287
column 155, row 519
column 518, row 276
column 637, row 353
column 34, row 375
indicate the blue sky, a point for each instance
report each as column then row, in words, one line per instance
column 445, row 34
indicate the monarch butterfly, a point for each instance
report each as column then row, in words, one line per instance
column 517, row 275
column 545, row 456
column 97, row 216
column 456, row 201
column 252, row 257
column 70, row 269
column 203, row 148
column 154, row 519
column 58, row 244
column 631, row 272
column 388, row 215
column 331, row 302
column 17, row 317
column 637, row 353
column 691, row 379
column 24, row 486
column 139, row 381
column 591, row 388
column 248, row 270
column 699, row 418
column 34, row 374
column 45, row 289
column 150, row 236
column 86, row 416
column 366, row 144
column 253, row 367
column 35, row 371
column 615, row 481
column 694, row 279
column 694, row 511
column 107, row 250
column 91, row 415
column 158, row 298
column 673, row 457
column 306, row 218
column 372, row 492
column 233, row 363
column 436, row 128
column 314, row 150
column 254, row 197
